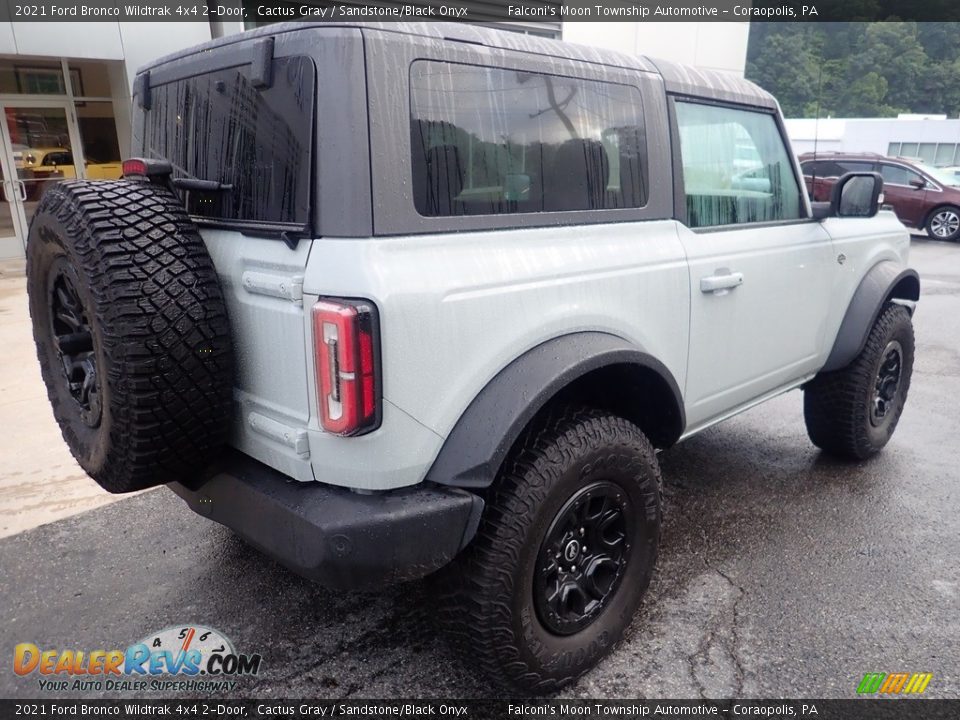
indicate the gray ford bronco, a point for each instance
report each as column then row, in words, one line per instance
column 392, row 299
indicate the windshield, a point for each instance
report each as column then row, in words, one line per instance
column 941, row 176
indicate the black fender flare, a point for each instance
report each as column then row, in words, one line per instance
column 884, row 281
column 476, row 447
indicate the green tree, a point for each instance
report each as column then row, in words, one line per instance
column 939, row 40
column 849, row 69
column 786, row 61
column 864, row 97
column 892, row 51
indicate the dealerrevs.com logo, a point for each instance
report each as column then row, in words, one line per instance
column 901, row 683
column 178, row 659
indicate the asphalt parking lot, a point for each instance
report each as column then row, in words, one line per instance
column 782, row 573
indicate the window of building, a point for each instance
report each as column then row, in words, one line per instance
column 945, row 154
column 909, row 150
column 489, row 141
column 927, row 152
column 736, row 168
column 32, row 77
column 936, row 154
column 89, row 78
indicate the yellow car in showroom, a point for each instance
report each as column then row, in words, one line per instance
column 56, row 163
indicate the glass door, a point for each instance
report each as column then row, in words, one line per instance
column 11, row 246
column 41, row 149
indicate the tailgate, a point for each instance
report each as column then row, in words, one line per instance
column 262, row 283
column 237, row 127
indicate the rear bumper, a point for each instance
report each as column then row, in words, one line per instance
column 338, row 538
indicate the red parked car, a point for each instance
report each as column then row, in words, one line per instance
column 923, row 196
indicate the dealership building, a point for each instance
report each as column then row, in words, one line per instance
column 935, row 139
column 65, row 89
column 65, row 104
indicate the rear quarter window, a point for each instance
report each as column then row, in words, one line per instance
column 490, row 141
column 255, row 141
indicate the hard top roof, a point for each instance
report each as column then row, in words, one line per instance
column 680, row 79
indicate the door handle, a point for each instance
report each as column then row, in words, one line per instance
column 23, row 190
column 722, row 282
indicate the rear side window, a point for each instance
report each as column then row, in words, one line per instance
column 256, row 142
column 489, row 141
column 896, row 175
column 58, row 158
column 736, row 168
column 834, row 168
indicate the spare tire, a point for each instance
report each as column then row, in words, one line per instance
column 131, row 331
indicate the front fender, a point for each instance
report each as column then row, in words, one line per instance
column 476, row 447
column 884, row 281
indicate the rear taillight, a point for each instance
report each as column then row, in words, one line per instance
column 145, row 167
column 345, row 337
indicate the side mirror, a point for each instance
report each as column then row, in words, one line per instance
column 918, row 184
column 856, row 194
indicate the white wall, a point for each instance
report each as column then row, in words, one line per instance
column 868, row 134
column 810, row 134
column 91, row 40
column 135, row 43
column 709, row 45
column 127, row 45
column 821, row 146
column 143, row 42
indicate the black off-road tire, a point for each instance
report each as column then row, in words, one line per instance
column 490, row 604
column 840, row 407
column 121, row 285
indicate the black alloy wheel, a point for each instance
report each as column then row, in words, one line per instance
column 73, row 337
column 887, row 384
column 582, row 558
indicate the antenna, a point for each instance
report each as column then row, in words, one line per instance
column 816, row 131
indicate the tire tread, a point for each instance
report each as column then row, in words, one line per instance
column 835, row 403
column 163, row 323
column 474, row 607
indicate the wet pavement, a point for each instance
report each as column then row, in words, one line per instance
column 782, row 572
